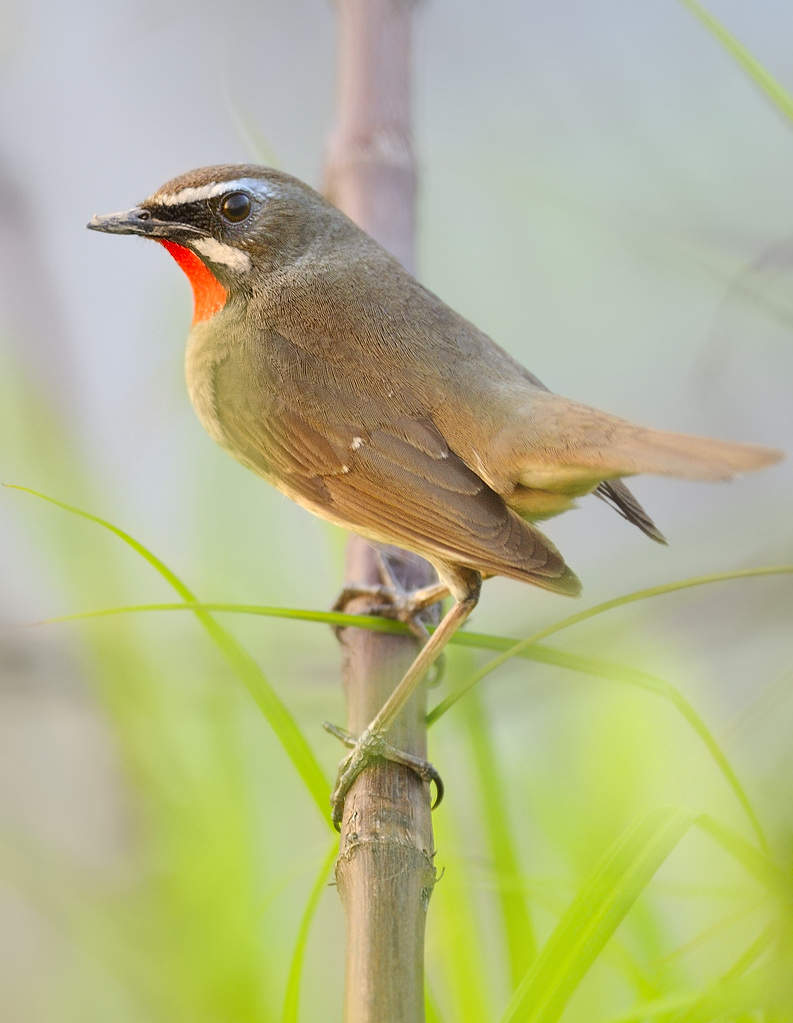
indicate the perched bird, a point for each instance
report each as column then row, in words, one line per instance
column 320, row 363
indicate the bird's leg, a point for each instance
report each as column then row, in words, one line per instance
column 405, row 605
column 371, row 743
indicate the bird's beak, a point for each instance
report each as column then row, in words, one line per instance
column 144, row 222
column 135, row 221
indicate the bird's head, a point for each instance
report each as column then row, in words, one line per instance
column 229, row 227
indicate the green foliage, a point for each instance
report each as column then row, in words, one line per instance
column 779, row 96
column 194, row 912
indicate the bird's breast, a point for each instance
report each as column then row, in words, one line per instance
column 236, row 394
column 208, row 348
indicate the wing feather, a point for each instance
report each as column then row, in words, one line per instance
column 394, row 480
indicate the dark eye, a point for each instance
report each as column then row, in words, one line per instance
column 235, row 207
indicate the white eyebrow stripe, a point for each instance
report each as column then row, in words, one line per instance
column 218, row 252
column 209, row 191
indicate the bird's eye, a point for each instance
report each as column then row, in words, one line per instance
column 236, row 207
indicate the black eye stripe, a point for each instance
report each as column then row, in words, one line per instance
column 231, row 207
column 196, row 213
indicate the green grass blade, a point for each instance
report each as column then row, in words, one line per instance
column 596, row 912
column 431, row 1009
column 335, row 618
column 292, row 996
column 666, row 1007
column 713, row 933
column 757, row 864
column 275, row 712
column 736, row 1001
column 536, row 652
column 651, row 683
column 518, row 930
column 526, row 648
column 458, row 937
column 169, row 576
column 736, row 991
column 628, row 675
column 599, row 609
column 529, row 648
column 778, row 95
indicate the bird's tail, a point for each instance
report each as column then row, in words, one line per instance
column 572, row 448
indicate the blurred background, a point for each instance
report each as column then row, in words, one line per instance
column 602, row 190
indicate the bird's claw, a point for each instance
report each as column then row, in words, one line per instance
column 365, row 750
column 391, row 603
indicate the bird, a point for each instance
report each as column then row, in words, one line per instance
column 323, row 366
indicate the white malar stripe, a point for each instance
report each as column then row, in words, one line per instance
column 217, row 252
column 196, row 194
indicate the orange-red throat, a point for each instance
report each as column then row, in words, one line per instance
column 209, row 294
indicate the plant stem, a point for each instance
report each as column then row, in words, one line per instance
column 385, row 870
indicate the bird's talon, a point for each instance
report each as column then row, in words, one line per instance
column 395, row 602
column 439, row 789
column 370, row 747
column 353, row 591
column 341, row 734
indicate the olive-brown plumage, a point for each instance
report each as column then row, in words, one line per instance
column 321, row 364
column 338, row 377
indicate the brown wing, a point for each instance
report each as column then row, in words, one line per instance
column 396, row 482
column 434, row 504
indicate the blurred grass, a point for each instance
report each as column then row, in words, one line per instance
column 773, row 89
column 543, row 984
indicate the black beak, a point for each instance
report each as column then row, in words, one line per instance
column 136, row 221
column 141, row 221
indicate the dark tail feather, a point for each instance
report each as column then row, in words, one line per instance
column 616, row 494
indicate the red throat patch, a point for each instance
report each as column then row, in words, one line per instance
column 209, row 294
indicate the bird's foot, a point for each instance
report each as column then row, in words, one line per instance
column 402, row 606
column 364, row 751
column 396, row 603
column 388, row 602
